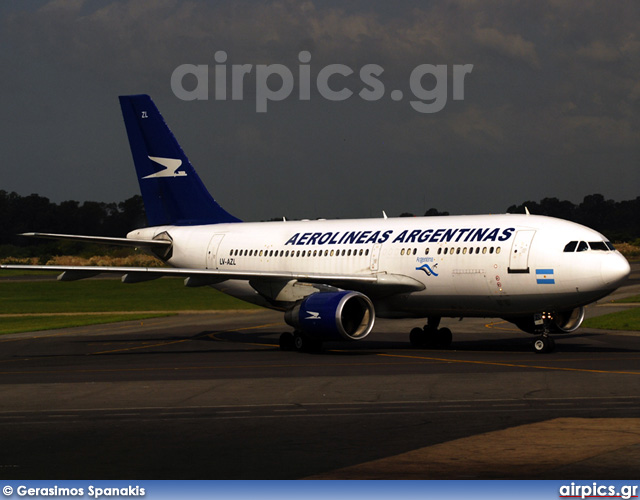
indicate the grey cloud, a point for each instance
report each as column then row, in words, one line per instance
column 554, row 92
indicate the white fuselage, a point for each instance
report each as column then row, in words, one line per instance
column 485, row 265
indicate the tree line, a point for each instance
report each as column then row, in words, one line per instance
column 619, row 221
column 34, row 213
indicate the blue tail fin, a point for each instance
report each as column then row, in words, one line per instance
column 171, row 189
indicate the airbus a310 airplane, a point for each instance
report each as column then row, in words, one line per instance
column 332, row 278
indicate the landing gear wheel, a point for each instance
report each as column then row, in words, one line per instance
column 431, row 338
column 303, row 343
column 443, row 338
column 287, row 342
column 543, row 344
column 418, row 338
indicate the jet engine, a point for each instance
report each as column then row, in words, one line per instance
column 345, row 315
column 557, row 322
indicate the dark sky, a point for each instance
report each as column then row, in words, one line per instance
column 550, row 109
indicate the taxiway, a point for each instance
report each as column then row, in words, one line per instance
column 210, row 396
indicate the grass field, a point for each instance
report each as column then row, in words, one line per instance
column 38, row 323
column 103, row 295
column 629, row 300
column 624, row 320
column 40, row 298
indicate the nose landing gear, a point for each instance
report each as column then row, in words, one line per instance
column 543, row 343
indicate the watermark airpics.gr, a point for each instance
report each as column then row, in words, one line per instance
column 276, row 82
column 596, row 490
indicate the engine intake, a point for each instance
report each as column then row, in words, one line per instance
column 345, row 315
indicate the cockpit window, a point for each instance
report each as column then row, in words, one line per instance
column 598, row 245
column 582, row 247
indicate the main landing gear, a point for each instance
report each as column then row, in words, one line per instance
column 431, row 337
column 298, row 341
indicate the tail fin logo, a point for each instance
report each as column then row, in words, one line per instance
column 170, row 165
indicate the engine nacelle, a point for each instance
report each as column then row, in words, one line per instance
column 345, row 315
column 558, row 322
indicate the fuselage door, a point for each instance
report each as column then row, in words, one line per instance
column 519, row 259
column 212, row 251
column 375, row 257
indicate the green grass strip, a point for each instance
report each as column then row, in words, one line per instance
column 37, row 323
column 6, row 273
column 628, row 300
column 105, row 295
column 623, row 320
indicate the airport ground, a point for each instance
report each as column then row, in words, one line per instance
column 210, row 396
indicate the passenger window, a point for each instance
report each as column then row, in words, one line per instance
column 571, row 246
column 582, row 247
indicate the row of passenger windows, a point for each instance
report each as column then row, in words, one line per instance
column 299, row 253
column 583, row 246
column 357, row 252
column 454, row 250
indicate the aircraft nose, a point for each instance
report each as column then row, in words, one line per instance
column 614, row 269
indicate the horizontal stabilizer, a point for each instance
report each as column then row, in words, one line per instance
column 103, row 240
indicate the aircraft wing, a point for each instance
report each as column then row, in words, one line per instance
column 374, row 283
column 390, row 283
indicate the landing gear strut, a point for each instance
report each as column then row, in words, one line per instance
column 431, row 337
column 543, row 343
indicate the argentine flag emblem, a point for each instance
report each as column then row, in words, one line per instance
column 545, row 277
